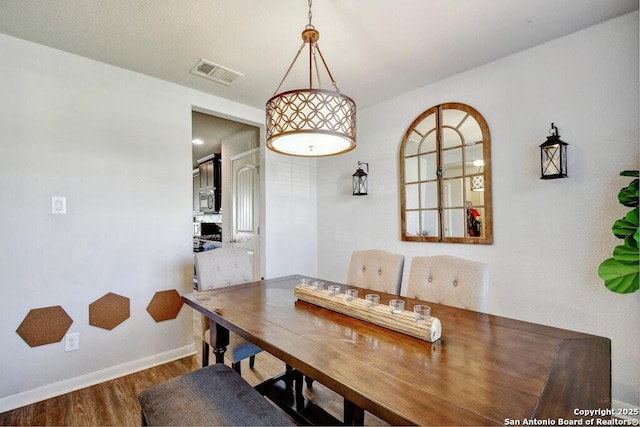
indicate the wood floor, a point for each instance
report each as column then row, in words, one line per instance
column 114, row 403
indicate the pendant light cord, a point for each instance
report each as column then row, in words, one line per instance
column 289, row 69
column 313, row 47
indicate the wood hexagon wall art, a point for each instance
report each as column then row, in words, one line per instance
column 109, row 311
column 165, row 305
column 44, row 325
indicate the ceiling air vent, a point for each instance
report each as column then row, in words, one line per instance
column 215, row 72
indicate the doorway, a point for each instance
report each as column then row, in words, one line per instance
column 232, row 142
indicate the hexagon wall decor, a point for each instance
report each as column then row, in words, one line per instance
column 165, row 305
column 109, row 311
column 44, row 325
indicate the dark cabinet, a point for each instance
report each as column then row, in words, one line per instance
column 210, row 191
column 206, row 170
column 196, row 191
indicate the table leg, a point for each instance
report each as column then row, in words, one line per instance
column 293, row 382
column 353, row 414
column 219, row 339
column 297, row 378
column 288, row 378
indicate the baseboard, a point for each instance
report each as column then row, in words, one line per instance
column 48, row 391
column 626, row 412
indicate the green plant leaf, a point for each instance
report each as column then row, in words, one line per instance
column 620, row 273
column 627, row 252
column 626, row 226
column 618, row 276
column 629, row 195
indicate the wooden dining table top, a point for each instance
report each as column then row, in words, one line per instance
column 484, row 370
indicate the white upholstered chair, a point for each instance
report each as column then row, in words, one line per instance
column 376, row 270
column 216, row 269
column 449, row 280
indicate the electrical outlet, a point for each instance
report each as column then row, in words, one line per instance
column 72, row 342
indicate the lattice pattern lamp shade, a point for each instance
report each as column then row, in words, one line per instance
column 311, row 122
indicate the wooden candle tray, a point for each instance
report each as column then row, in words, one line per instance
column 430, row 330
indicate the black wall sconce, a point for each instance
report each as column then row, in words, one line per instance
column 553, row 156
column 360, row 184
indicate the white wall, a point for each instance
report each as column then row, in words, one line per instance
column 291, row 223
column 117, row 145
column 550, row 236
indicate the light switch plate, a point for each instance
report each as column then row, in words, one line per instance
column 58, row 205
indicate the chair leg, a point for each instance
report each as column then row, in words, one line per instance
column 236, row 367
column 309, row 381
column 205, row 354
column 252, row 362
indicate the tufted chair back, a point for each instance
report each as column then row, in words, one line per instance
column 449, row 280
column 223, row 267
column 216, row 269
column 376, row 270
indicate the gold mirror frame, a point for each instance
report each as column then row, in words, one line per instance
column 445, row 177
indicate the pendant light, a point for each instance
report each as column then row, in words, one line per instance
column 311, row 122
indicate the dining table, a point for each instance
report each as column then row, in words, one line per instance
column 482, row 370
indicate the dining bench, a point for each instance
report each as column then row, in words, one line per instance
column 213, row 396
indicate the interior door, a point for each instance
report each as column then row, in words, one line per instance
column 245, row 204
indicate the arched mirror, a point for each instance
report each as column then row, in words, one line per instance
column 445, row 174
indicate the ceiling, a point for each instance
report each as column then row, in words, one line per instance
column 375, row 49
column 211, row 130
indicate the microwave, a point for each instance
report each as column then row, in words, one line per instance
column 207, row 201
